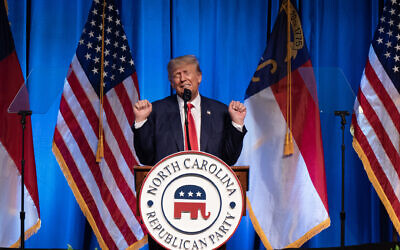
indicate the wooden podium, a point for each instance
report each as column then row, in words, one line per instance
column 242, row 173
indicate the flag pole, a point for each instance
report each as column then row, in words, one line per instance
column 269, row 21
column 171, row 37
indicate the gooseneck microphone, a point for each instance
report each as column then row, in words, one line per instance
column 187, row 95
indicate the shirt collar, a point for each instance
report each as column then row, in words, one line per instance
column 195, row 102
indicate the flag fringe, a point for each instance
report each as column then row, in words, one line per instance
column 257, row 226
column 139, row 244
column 314, row 231
column 378, row 188
column 298, row 243
column 28, row 233
column 78, row 196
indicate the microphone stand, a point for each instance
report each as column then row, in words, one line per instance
column 187, row 125
column 187, row 95
column 343, row 115
column 23, row 114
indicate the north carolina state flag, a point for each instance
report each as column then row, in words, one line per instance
column 287, row 196
column 11, row 80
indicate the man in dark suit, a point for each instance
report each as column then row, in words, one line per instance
column 159, row 128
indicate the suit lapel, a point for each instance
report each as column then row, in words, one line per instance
column 175, row 123
column 206, row 123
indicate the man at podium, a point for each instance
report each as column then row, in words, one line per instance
column 160, row 128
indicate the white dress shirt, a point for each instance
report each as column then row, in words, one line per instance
column 196, row 113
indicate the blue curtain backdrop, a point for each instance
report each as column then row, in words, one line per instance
column 228, row 37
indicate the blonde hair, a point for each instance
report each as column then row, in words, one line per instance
column 182, row 60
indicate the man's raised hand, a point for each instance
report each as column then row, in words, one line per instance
column 142, row 110
column 237, row 111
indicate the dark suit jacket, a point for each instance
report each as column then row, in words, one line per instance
column 162, row 134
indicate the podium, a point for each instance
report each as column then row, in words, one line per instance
column 191, row 199
column 242, row 173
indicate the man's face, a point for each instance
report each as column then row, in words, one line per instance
column 186, row 77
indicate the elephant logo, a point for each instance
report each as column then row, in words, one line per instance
column 190, row 199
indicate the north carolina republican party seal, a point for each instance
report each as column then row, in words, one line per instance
column 191, row 200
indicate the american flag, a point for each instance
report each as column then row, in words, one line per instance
column 105, row 191
column 376, row 117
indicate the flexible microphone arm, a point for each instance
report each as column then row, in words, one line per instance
column 187, row 95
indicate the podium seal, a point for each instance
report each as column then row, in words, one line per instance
column 191, row 200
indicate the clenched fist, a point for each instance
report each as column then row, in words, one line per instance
column 237, row 111
column 142, row 110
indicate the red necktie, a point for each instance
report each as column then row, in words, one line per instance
column 192, row 130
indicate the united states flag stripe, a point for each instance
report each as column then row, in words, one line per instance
column 378, row 153
column 83, row 144
column 377, row 169
column 113, row 167
column 105, row 191
column 377, row 106
column 379, row 129
column 384, row 78
column 81, row 184
column 124, row 98
column 376, row 117
column 113, row 122
column 87, row 107
column 99, row 186
column 383, row 95
column 384, row 180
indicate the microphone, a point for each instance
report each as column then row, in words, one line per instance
column 342, row 114
column 187, row 95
